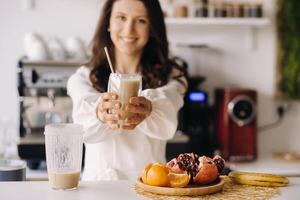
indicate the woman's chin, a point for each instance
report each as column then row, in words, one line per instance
column 129, row 50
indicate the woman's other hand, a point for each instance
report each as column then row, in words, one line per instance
column 141, row 109
column 104, row 110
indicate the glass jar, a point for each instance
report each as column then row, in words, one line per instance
column 256, row 10
column 180, row 9
column 229, row 10
column 238, row 10
column 220, row 9
column 201, row 8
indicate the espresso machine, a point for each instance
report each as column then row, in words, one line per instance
column 196, row 118
column 42, row 99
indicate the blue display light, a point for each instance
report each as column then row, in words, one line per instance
column 197, row 96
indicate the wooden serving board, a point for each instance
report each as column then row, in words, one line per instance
column 189, row 190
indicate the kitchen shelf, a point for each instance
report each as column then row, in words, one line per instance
column 256, row 22
column 45, row 63
column 250, row 24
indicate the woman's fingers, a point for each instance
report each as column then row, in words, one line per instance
column 109, row 96
column 139, row 105
column 112, row 118
column 128, row 126
column 104, row 112
column 109, row 105
column 136, row 109
column 135, row 119
column 138, row 100
column 113, row 125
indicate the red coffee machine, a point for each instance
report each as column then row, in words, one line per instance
column 236, row 123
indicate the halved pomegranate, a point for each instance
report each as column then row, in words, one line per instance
column 184, row 163
column 202, row 170
column 207, row 171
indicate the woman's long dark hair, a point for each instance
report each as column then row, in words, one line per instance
column 155, row 62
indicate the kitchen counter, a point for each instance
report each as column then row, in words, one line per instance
column 40, row 190
column 37, row 190
column 269, row 165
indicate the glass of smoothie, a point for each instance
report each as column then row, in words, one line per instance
column 126, row 86
column 64, row 154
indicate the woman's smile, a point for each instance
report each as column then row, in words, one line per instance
column 128, row 39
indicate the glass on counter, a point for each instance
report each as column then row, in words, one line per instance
column 64, row 154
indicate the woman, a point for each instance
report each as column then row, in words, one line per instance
column 134, row 32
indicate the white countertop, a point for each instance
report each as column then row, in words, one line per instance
column 292, row 192
column 269, row 165
column 40, row 190
column 106, row 190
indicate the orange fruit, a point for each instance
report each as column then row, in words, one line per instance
column 145, row 171
column 156, row 174
column 179, row 180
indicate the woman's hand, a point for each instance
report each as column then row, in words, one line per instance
column 104, row 110
column 140, row 107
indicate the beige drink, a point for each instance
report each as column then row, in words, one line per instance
column 64, row 154
column 64, row 180
column 128, row 88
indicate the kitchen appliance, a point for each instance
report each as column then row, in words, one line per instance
column 12, row 170
column 195, row 119
column 236, row 123
column 42, row 99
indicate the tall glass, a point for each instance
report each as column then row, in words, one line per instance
column 64, row 154
column 126, row 86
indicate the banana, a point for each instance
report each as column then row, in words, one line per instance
column 259, row 183
column 259, row 179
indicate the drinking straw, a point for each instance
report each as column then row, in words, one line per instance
column 109, row 61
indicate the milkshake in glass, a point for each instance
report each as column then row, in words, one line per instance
column 126, row 86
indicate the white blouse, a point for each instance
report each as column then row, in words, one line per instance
column 122, row 154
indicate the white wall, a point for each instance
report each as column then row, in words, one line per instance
column 230, row 61
column 56, row 18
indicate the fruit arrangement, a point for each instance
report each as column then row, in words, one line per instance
column 259, row 179
column 187, row 168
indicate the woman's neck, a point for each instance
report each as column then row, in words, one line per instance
column 127, row 64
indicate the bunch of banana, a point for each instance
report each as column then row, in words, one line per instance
column 259, row 179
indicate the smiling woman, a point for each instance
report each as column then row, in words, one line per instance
column 134, row 33
column 155, row 64
column 129, row 31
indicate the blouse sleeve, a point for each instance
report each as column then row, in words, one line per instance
column 166, row 101
column 85, row 100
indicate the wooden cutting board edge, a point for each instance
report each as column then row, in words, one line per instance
column 186, row 191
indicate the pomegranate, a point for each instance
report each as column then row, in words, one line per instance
column 203, row 169
column 207, row 171
column 220, row 162
column 186, row 162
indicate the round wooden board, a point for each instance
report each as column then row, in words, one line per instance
column 189, row 190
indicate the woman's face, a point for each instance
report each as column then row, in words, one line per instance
column 129, row 26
